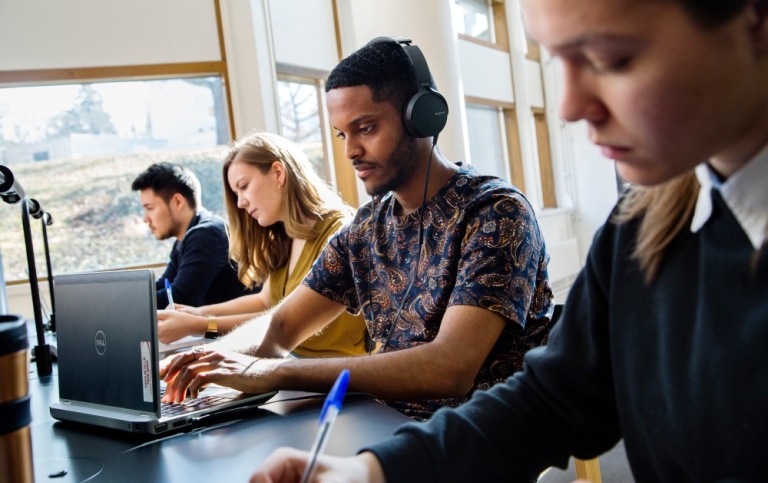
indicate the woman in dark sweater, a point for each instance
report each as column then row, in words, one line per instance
column 664, row 334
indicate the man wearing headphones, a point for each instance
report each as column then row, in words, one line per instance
column 448, row 266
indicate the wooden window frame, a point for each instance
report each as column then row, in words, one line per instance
column 548, row 195
column 512, row 135
column 317, row 80
column 498, row 14
column 342, row 174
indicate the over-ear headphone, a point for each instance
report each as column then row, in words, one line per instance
column 426, row 112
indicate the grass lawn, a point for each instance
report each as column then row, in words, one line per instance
column 97, row 218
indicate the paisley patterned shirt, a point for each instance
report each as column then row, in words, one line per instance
column 481, row 247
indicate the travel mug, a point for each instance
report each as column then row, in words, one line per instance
column 15, row 437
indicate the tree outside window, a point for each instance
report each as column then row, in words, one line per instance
column 77, row 148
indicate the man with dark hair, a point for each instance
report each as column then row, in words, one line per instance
column 448, row 267
column 199, row 270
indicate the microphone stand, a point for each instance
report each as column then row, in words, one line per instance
column 42, row 350
column 12, row 192
column 47, row 220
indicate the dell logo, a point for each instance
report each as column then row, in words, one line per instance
column 101, row 343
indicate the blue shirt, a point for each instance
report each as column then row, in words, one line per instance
column 200, row 270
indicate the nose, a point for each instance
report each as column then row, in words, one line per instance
column 352, row 149
column 146, row 218
column 580, row 98
column 241, row 201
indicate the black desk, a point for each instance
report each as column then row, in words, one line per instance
column 230, row 451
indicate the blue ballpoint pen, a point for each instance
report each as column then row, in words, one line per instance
column 328, row 415
column 170, row 295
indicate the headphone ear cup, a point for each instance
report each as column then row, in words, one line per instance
column 426, row 114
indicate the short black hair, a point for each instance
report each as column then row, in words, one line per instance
column 711, row 13
column 382, row 66
column 167, row 179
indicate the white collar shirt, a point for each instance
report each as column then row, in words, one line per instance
column 745, row 192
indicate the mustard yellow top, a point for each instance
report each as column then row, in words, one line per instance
column 345, row 336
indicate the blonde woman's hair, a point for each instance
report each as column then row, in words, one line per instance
column 668, row 208
column 258, row 250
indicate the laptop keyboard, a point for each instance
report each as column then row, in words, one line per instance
column 189, row 405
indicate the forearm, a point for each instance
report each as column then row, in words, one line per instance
column 228, row 323
column 196, row 325
column 244, row 336
column 247, row 304
column 413, row 374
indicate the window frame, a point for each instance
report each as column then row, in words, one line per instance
column 290, row 75
column 341, row 175
column 500, row 31
column 544, row 150
column 510, row 138
column 119, row 73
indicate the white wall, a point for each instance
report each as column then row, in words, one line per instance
column 596, row 191
column 485, row 72
column 304, row 33
column 250, row 55
column 587, row 180
column 535, row 84
column 44, row 34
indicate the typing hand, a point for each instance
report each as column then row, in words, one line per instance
column 191, row 370
column 174, row 325
column 286, row 465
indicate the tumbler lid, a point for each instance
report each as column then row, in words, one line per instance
column 13, row 334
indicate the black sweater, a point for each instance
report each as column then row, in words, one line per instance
column 200, row 270
column 679, row 369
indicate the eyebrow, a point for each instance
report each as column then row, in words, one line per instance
column 595, row 40
column 356, row 120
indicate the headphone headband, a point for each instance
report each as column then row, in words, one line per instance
column 419, row 62
column 427, row 111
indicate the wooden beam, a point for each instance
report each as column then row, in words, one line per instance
column 133, row 72
column 545, row 161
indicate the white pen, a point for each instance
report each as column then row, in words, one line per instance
column 170, row 295
column 328, row 415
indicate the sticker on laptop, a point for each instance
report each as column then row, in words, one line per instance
column 146, row 372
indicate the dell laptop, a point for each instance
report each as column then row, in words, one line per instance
column 108, row 358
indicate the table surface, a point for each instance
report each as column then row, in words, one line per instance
column 227, row 451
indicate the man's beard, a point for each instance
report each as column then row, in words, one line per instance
column 403, row 161
column 170, row 232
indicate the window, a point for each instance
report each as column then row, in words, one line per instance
column 76, row 148
column 301, row 119
column 486, row 140
column 481, row 21
column 301, row 94
column 473, row 18
column 494, row 140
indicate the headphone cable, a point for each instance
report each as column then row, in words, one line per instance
column 418, row 255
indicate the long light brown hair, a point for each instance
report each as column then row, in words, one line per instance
column 259, row 250
column 668, row 208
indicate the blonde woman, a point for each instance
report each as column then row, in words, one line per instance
column 281, row 215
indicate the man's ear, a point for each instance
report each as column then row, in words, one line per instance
column 758, row 12
column 177, row 201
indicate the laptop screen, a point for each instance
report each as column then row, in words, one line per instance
column 106, row 325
